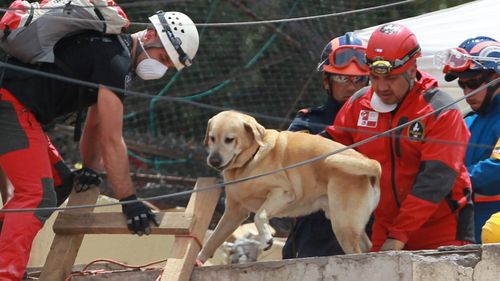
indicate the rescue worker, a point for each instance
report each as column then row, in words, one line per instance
column 28, row 100
column 473, row 63
column 344, row 72
column 425, row 199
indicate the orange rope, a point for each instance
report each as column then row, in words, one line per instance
column 86, row 272
column 196, row 239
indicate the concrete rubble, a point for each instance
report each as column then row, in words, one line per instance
column 472, row 262
column 466, row 263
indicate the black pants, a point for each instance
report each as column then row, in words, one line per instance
column 312, row 236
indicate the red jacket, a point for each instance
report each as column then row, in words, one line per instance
column 425, row 187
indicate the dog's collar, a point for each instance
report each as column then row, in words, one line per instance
column 252, row 157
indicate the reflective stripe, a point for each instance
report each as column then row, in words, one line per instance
column 478, row 198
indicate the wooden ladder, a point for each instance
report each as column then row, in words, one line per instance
column 189, row 227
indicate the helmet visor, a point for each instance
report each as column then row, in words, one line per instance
column 347, row 54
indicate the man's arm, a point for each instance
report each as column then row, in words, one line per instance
column 105, row 124
column 441, row 164
column 484, row 174
column 343, row 120
column 103, row 137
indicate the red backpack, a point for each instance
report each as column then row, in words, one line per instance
column 29, row 31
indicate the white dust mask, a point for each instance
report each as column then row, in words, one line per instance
column 150, row 69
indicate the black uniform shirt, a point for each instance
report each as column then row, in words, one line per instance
column 89, row 56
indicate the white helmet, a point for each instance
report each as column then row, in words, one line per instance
column 178, row 35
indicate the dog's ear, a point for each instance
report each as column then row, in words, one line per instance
column 205, row 140
column 258, row 131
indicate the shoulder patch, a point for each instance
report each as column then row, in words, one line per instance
column 416, row 131
column 495, row 154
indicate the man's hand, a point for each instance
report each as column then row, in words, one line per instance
column 138, row 216
column 85, row 178
column 392, row 245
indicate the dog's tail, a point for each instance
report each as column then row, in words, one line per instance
column 360, row 166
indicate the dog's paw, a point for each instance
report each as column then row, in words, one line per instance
column 266, row 245
column 198, row 263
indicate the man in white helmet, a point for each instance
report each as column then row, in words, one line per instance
column 29, row 100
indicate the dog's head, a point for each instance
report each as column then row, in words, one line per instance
column 232, row 139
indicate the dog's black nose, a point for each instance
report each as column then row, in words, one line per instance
column 215, row 161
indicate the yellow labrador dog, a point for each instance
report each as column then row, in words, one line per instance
column 344, row 185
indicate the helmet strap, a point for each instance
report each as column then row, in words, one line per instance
column 490, row 90
column 411, row 82
column 141, row 47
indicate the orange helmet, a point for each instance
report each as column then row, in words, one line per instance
column 344, row 55
column 392, row 49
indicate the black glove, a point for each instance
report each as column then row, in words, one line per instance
column 85, row 178
column 138, row 216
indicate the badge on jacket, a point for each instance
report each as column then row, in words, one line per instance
column 416, row 131
column 368, row 119
column 495, row 154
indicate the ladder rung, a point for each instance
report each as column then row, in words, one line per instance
column 171, row 223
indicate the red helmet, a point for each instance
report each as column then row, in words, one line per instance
column 344, row 55
column 392, row 49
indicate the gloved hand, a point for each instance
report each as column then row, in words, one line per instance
column 138, row 216
column 85, row 178
column 392, row 245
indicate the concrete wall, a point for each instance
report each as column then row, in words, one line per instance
column 468, row 263
column 474, row 262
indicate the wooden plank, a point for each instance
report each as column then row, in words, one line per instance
column 185, row 249
column 64, row 248
column 115, row 223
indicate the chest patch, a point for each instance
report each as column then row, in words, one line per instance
column 368, row 119
column 416, row 131
column 496, row 151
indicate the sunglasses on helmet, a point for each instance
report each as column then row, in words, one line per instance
column 458, row 60
column 183, row 57
column 342, row 79
column 380, row 66
column 474, row 83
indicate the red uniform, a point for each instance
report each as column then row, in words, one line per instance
column 33, row 190
column 425, row 188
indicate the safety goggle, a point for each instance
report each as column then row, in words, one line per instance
column 344, row 55
column 383, row 67
column 183, row 57
column 342, row 79
column 458, row 60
